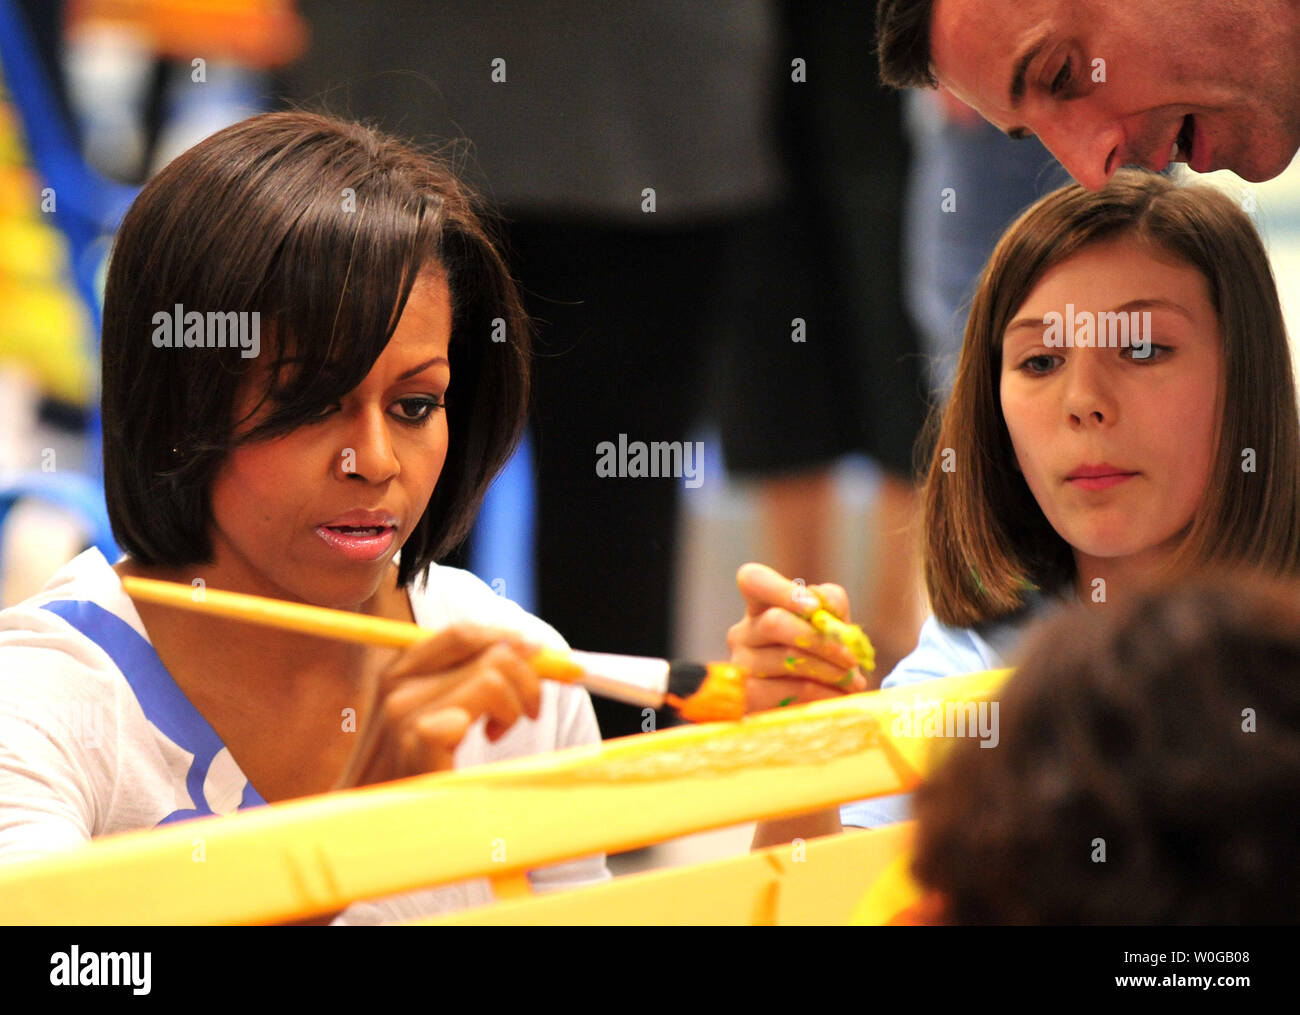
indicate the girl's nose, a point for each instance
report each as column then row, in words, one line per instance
column 1088, row 400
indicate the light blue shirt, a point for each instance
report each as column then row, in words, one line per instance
column 944, row 651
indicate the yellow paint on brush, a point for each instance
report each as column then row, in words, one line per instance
column 720, row 698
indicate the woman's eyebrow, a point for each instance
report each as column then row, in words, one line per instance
column 424, row 366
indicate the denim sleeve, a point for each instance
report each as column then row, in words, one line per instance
column 941, row 651
column 883, row 810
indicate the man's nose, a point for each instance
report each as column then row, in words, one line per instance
column 1091, row 148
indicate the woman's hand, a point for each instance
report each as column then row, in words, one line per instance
column 774, row 642
column 420, row 707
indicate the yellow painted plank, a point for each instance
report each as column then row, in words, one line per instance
column 311, row 856
column 820, row 883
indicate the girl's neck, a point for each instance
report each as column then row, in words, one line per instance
column 1105, row 581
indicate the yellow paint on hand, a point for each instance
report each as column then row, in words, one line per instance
column 850, row 636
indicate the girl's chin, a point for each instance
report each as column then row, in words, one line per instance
column 1108, row 545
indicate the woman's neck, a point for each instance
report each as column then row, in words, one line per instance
column 241, row 662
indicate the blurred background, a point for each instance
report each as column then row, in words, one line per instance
column 726, row 230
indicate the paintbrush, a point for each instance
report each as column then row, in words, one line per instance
column 700, row 692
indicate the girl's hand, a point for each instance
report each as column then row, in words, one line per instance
column 419, row 708
column 774, row 642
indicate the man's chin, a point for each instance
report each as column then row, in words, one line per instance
column 1261, row 170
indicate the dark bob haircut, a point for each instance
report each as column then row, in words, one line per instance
column 320, row 225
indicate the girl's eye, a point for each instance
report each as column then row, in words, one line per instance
column 1062, row 78
column 425, row 407
column 1153, row 353
column 1038, row 364
column 322, row 412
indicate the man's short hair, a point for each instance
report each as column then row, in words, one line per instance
column 903, row 41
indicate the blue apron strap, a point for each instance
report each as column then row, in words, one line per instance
column 163, row 702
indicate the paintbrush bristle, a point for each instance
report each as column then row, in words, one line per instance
column 720, row 693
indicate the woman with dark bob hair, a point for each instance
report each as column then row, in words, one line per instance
column 314, row 357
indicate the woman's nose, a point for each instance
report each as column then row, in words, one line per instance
column 369, row 453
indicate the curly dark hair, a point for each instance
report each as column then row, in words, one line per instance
column 1166, row 732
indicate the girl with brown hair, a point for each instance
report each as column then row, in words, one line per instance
column 1078, row 462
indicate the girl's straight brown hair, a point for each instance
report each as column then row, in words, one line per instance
column 986, row 540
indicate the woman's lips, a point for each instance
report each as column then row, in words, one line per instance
column 358, row 546
column 1100, row 482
